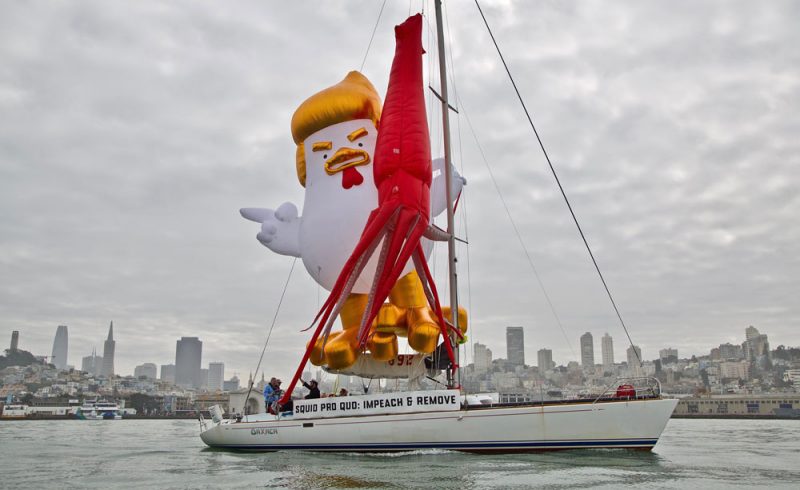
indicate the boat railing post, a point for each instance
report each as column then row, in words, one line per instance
column 605, row 390
column 657, row 392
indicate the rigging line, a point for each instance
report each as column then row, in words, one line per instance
column 434, row 129
column 450, row 43
column 428, row 97
column 431, row 111
column 372, row 36
column 274, row 318
column 514, row 225
column 560, row 187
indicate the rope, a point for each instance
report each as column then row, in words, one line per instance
column 274, row 318
column 372, row 36
column 560, row 187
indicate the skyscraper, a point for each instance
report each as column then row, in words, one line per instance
column 634, row 357
column 60, row 348
column 188, row 362
column 232, row 384
column 668, row 354
column 148, row 370
column 482, row 358
column 515, row 346
column 92, row 364
column 587, row 350
column 14, row 341
column 168, row 373
column 728, row 351
column 756, row 345
column 216, row 376
column 87, row 364
column 607, row 349
column 108, row 353
column 545, row 359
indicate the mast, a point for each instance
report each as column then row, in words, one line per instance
column 448, row 178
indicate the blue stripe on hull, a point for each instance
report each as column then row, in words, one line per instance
column 622, row 443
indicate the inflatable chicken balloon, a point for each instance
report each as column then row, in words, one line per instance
column 336, row 131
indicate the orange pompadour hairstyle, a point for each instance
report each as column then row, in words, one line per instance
column 352, row 98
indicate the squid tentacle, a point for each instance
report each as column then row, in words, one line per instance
column 376, row 221
column 360, row 264
column 375, row 280
column 391, row 246
column 391, row 275
column 430, row 286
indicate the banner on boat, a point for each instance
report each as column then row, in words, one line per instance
column 380, row 404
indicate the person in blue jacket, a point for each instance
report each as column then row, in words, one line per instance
column 272, row 393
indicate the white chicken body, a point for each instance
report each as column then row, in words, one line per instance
column 335, row 215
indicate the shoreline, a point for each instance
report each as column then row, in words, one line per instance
column 194, row 417
column 733, row 416
column 72, row 417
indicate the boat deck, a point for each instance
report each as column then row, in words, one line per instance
column 570, row 401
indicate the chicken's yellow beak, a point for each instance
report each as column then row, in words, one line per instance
column 346, row 158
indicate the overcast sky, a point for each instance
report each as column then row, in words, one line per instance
column 132, row 132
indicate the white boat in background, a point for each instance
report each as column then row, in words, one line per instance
column 14, row 412
column 98, row 410
column 630, row 413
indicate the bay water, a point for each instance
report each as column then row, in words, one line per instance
column 170, row 454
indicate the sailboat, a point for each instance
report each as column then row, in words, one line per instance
column 628, row 414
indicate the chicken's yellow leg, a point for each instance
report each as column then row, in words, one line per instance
column 341, row 349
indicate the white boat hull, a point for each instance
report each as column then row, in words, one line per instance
column 609, row 424
column 100, row 417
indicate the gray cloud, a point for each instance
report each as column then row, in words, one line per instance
column 131, row 133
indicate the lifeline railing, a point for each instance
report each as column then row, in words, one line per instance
column 651, row 388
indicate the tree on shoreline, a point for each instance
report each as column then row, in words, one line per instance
column 18, row 357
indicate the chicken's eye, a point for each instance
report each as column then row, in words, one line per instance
column 361, row 144
column 325, row 157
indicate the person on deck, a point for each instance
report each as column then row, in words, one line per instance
column 313, row 389
column 272, row 393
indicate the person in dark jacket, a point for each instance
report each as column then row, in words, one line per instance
column 313, row 389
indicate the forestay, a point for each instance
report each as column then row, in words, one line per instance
column 379, row 404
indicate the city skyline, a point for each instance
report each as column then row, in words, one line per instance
column 755, row 344
column 680, row 164
column 749, row 367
